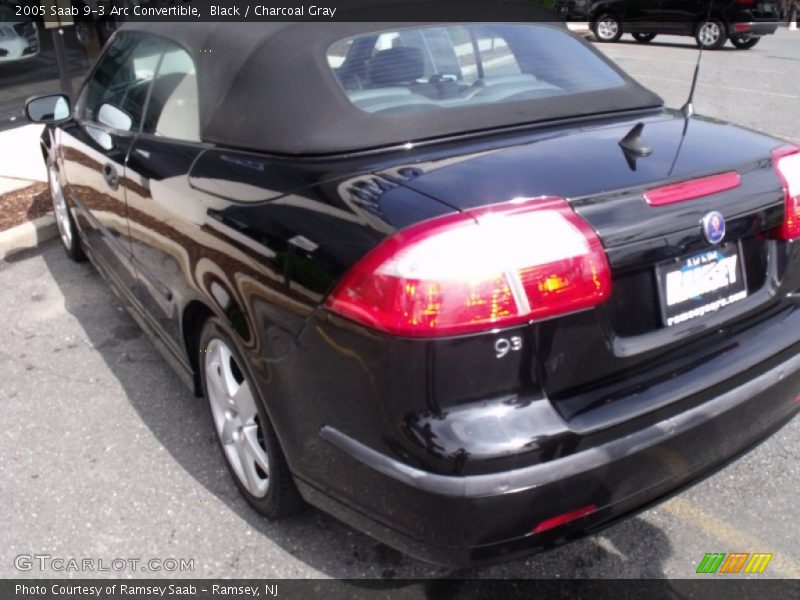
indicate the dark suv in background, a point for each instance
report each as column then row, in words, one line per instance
column 572, row 10
column 743, row 22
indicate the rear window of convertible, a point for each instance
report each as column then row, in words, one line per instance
column 439, row 67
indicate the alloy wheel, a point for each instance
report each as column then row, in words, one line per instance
column 233, row 409
column 744, row 42
column 709, row 34
column 607, row 29
column 60, row 209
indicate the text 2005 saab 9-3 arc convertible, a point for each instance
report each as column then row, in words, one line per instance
column 466, row 286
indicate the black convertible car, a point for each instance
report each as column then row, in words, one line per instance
column 467, row 287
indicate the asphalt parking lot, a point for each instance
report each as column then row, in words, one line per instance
column 105, row 455
column 757, row 88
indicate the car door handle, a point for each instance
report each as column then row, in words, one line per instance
column 111, row 176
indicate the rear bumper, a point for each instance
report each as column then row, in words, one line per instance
column 754, row 28
column 486, row 518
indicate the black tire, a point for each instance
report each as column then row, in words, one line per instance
column 607, row 28
column 644, row 38
column 744, row 44
column 281, row 498
column 710, row 34
column 67, row 232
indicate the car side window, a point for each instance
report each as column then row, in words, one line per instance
column 116, row 93
column 173, row 108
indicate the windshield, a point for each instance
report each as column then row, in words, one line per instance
column 438, row 67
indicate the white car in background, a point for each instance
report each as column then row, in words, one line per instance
column 18, row 41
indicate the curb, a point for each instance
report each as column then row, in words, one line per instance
column 9, row 185
column 27, row 235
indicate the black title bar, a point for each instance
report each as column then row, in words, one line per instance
column 65, row 13
column 705, row 587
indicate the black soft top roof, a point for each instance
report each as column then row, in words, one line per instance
column 268, row 87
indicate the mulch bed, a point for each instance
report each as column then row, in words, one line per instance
column 23, row 205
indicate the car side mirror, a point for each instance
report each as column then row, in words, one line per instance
column 51, row 108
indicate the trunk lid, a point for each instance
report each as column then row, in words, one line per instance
column 587, row 162
column 625, row 338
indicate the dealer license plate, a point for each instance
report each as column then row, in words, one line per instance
column 703, row 283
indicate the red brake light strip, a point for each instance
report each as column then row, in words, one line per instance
column 694, row 188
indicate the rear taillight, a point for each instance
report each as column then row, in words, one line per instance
column 478, row 270
column 786, row 161
column 745, row 2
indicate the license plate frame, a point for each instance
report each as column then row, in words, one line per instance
column 701, row 283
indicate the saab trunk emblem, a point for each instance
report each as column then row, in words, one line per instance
column 714, row 227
